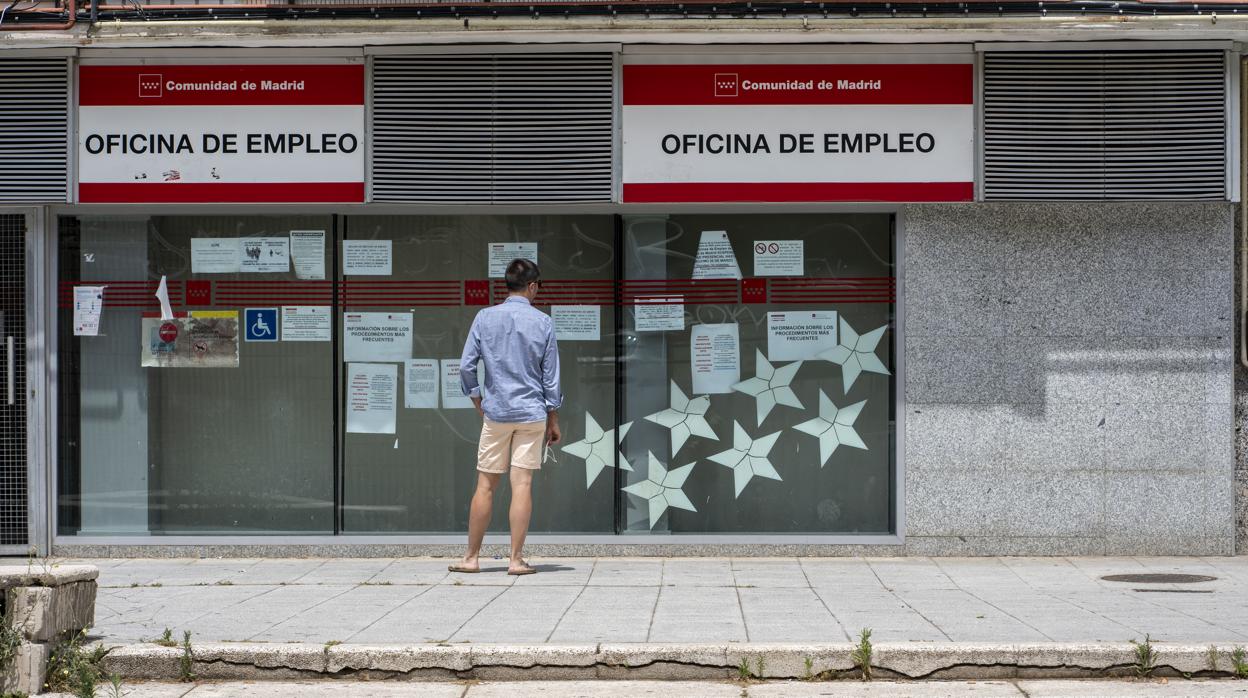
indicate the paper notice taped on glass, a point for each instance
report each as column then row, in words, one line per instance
column 376, row 336
column 577, row 322
column 367, row 257
column 199, row 339
column 715, row 358
column 268, row 255
column 88, row 306
column 306, row 323
column 307, row 250
column 371, row 394
column 215, row 255
column 162, row 295
column 503, row 253
column 420, row 383
column 453, row 397
column 797, row 335
column 779, row 257
column 659, row 314
column 715, row 259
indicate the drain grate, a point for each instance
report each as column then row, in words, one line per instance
column 1158, row 578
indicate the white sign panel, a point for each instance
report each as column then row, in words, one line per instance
column 372, row 390
column 376, row 336
column 715, row 259
column 306, row 323
column 503, row 253
column 420, row 383
column 715, row 358
column 452, row 391
column 797, row 335
column 307, row 249
column 367, row 257
column 247, row 132
column 215, row 255
column 779, row 258
column 264, row 255
column 659, row 314
column 88, row 306
column 791, row 132
column 577, row 322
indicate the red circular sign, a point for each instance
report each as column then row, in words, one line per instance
column 168, row 332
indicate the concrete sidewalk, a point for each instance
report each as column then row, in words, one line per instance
column 667, row 618
column 578, row 601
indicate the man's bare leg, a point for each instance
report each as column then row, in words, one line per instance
column 479, row 516
column 521, row 509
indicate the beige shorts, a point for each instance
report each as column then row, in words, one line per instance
column 517, row 444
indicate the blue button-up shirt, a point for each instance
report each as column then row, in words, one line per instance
column 517, row 343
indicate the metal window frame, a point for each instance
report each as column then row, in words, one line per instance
column 896, row 537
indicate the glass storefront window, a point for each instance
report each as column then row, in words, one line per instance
column 143, row 450
column 800, row 438
column 738, row 368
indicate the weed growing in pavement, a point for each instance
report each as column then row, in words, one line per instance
column 186, row 663
column 165, row 639
column 862, row 654
column 809, row 673
column 75, row 669
column 225, row 583
column 1145, row 657
column 762, row 667
column 1238, row 663
column 1211, row 658
column 331, row 643
column 114, row 686
column 743, row 670
column 10, row 637
column 14, row 694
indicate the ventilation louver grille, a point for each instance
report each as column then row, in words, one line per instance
column 34, row 126
column 492, row 128
column 1105, row 125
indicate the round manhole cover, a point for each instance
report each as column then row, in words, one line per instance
column 1158, row 578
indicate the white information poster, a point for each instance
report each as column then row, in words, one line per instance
column 371, row 394
column 307, row 250
column 420, row 384
column 306, row 323
column 502, row 253
column 366, row 257
column 715, row 358
column 88, row 306
column 715, row 258
column 779, row 258
column 659, row 314
column 376, row 336
column 797, row 335
column 215, row 255
column 453, row 397
column 265, row 255
column 577, row 322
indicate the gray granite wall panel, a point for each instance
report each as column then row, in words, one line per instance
column 1068, row 381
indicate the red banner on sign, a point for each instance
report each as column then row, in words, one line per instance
column 198, row 85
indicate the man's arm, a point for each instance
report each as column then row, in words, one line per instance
column 551, row 393
column 468, row 366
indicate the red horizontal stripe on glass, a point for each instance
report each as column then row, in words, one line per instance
column 718, row 192
column 899, row 83
column 187, row 192
column 119, row 85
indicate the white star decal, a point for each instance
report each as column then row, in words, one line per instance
column 834, row 426
column 662, row 488
column 685, row 418
column 748, row 457
column 596, row 449
column 770, row 386
column 856, row 354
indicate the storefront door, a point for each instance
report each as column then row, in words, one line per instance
column 14, row 530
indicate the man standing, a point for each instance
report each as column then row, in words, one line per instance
column 520, row 410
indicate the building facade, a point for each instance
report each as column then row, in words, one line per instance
column 943, row 296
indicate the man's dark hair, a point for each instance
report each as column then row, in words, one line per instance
column 521, row 273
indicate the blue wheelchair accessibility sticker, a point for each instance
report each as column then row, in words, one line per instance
column 261, row 324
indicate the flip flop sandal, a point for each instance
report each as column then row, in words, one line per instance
column 463, row 570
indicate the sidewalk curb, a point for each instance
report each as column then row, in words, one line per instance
column 251, row 661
